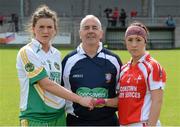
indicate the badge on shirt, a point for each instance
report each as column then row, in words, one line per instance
column 108, row 77
column 56, row 65
column 29, row 67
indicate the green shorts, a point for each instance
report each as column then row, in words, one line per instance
column 61, row 121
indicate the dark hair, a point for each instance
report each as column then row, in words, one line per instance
column 43, row 11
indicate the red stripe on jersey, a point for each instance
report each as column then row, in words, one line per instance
column 158, row 72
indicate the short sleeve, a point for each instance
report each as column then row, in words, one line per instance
column 157, row 77
column 29, row 62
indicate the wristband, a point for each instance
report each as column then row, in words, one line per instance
column 100, row 102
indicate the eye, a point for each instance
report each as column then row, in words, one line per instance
column 86, row 28
column 129, row 39
column 49, row 27
column 95, row 28
column 138, row 39
column 41, row 27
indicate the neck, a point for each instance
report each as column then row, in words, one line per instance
column 46, row 48
column 91, row 50
column 136, row 58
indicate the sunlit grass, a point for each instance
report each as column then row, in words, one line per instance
column 9, row 85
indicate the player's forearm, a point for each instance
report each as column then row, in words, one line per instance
column 154, row 114
column 58, row 90
column 155, row 109
column 112, row 102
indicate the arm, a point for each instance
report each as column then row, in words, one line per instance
column 62, row 92
column 112, row 102
column 157, row 99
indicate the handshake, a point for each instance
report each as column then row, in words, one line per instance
column 92, row 103
column 99, row 102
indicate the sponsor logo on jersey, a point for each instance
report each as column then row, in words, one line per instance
column 29, row 67
column 129, row 92
column 55, row 76
column 95, row 92
column 57, row 66
column 108, row 77
column 77, row 76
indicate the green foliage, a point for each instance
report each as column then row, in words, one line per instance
column 9, row 85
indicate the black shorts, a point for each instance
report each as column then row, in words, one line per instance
column 75, row 121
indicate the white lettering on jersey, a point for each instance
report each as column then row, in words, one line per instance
column 78, row 76
column 129, row 92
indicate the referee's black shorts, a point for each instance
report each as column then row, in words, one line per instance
column 75, row 121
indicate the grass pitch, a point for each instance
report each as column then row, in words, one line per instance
column 9, row 85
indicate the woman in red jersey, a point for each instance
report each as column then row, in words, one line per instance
column 141, row 83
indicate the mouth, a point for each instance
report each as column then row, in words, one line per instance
column 134, row 50
column 90, row 36
column 45, row 37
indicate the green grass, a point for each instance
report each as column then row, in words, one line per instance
column 9, row 85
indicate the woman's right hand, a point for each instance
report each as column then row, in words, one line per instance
column 87, row 102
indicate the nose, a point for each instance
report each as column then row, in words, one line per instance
column 134, row 43
column 91, row 29
column 45, row 30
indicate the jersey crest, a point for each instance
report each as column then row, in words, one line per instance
column 29, row 67
column 108, row 77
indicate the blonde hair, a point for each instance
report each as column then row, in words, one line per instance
column 43, row 11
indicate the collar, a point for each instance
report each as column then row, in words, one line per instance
column 143, row 58
column 38, row 45
column 80, row 50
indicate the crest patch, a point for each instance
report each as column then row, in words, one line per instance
column 56, row 65
column 108, row 77
column 29, row 67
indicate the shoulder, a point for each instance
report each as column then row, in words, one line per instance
column 26, row 50
column 152, row 63
column 108, row 52
column 113, row 55
column 156, row 69
column 69, row 55
column 24, row 54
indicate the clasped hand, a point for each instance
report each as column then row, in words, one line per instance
column 92, row 103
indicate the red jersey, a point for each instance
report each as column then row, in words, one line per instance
column 135, row 84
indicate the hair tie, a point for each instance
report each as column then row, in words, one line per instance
column 136, row 30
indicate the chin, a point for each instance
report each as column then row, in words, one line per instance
column 135, row 55
column 91, row 42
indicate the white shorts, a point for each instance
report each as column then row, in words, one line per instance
column 141, row 124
